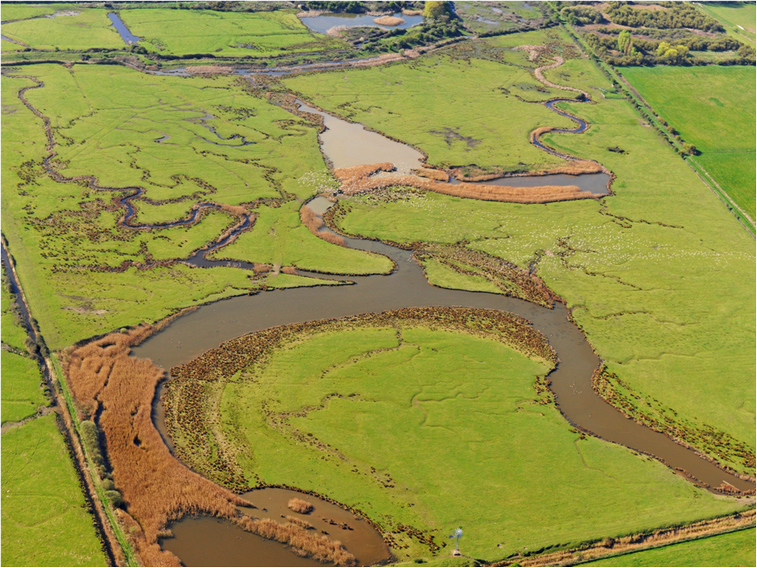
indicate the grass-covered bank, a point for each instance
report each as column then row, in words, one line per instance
column 44, row 514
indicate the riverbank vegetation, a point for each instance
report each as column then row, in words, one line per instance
column 113, row 395
column 394, row 415
column 711, row 108
column 731, row 549
column 659, row 33
column 626, row 265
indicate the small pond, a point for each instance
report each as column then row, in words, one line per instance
column 325, row 22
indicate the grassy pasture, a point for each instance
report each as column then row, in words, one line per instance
column 21, row 393
column 90, row 28
column 107, row 121
column 403, row 100
column 265, row 34
column 664, row 290
column 280, row 238
column 731, row 549
column 44, row 515
column 437, row 429
column 738, row 18
column 21, row 389
column 17, row 11
column 713, row 108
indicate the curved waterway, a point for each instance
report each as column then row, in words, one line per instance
column 191, row 335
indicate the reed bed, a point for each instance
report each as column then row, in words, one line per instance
column 388, row 21
column 360, row 179
column 314, row 223
column 118, row 389
column 300, row 506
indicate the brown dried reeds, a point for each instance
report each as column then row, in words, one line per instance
column 156, row 488
column 388, row 21
column 302, row 523
column 300, row 506
column 314, row 223
column 311, row 219
column 359, row 179
column 319, row 547
column 430, row 173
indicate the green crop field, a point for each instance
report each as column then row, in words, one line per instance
column 262, row 34
column 643, row 271
column 44, row 516
column 107, row 122
column 713, row 108
column 732, row 549
column 403, row 100
column 434, row 429
column 88, row 28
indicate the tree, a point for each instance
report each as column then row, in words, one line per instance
column 690, row 149
column 436, row 10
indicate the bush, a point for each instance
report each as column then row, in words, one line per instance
column 114, row 497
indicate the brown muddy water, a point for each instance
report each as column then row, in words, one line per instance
column 349, row 144
column 191, row 335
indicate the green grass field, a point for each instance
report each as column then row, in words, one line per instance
column 644, row 271
column 90, row 28
column 21, row 393
column 713, row 109
column 261, row 34
column 107, row 122
column 21, row 387
column 403, row 100
column 437, row 429
column 17, row 11
column 738, row 18
column 732, row 549
column 44, row 515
